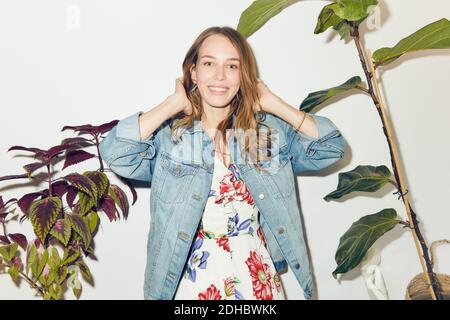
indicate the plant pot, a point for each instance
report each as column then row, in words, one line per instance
column 418, row 289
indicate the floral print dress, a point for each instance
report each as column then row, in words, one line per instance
column 229, row 258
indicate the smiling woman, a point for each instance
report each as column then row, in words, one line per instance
column 224, row 218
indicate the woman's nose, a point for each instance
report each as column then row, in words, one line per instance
column 220, row 73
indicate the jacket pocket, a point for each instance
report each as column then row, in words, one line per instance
column 277, row 174
column 171, row 184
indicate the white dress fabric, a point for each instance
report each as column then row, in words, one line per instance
column 229, row 258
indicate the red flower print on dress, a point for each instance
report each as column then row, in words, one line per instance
column 231, row 189
column 201, row 233
column 260, row 234
column 212, row 293
column 224, row 242
column 261, row 278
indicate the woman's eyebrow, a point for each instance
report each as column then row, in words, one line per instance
column 208, row 56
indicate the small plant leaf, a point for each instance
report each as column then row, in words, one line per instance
column 358, row 239
column 362, row 178
column 81, row 227
column 76, row 156
column 107, row 126
column 100, row 180
column 20, row 239
column 70, row 256
column 32, row 167
column 82, row 183
column 132, row 189
column 9, row 251
column 77, row 142
column 120, row 198
column 85, row 203
column 62, row 230
column 72, row 193
column 352, row 10
column 43, row 214
column 93, row 221
column 25, row 202
column 85, row 272
column 109, row 207
column 327, row 18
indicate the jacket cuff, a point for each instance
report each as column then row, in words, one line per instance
column 128, row 128
column 326, row 129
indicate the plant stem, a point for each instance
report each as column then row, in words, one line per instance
column 32, row 284
column 49, row 175
column 99, row 155
column 4, row 228
column 421, row 246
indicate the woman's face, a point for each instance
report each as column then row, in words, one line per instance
column 217, row 71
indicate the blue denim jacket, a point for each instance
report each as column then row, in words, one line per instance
column 181, row 176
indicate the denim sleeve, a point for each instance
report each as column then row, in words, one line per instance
column 309, row 154
column 125, row 153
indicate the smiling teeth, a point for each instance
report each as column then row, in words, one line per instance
column 217, row 89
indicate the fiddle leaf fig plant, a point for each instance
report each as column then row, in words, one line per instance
column 345, row 17
column 65, row 215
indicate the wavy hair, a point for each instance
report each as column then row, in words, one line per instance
column 242, row 104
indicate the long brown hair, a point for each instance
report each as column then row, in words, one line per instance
column 242, row 104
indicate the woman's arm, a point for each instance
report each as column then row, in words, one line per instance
column 130, row 148
column 316, row 145
column 125, row 151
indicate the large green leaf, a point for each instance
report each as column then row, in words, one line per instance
column 355, row 243
column 318, row 97
column 43, row 214
column 435, row 35
column 362, row 178
column 353, row 10
column 327, row 18
column 259, row 12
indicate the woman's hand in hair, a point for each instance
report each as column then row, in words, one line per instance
column 180, row 99
column 267, row 98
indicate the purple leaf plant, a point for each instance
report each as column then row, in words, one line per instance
column 65, row 215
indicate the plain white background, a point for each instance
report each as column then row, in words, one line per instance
column 77, row 62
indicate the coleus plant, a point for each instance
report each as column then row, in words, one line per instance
column 64, row 215
column 345, row 17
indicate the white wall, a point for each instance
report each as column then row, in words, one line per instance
column 125, row 56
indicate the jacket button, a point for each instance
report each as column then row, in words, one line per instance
column 280, row 230
column 177, row 169
column 297, row 266
column 142, row 154
column 261, row 196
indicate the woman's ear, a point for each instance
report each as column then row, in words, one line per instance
column 193, row 73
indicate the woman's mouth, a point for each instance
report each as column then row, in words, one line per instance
column 218, row 90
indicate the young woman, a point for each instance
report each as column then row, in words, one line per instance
column 221, row 153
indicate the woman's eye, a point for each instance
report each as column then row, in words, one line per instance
column 206, row 63
column 234, row 66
